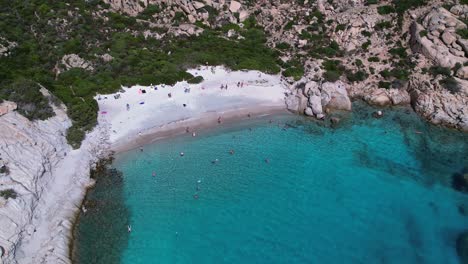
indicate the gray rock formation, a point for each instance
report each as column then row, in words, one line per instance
column 70, row 61
column 315, row 99
column 437, row 104
column 436, row 38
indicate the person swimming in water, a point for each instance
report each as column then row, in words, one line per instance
column 231, row 152
column 129, row 228
column 154, row 174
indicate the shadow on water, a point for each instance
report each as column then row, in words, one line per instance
column 103, row 228
column 436, row 148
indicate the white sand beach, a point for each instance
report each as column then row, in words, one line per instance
column 153, row 114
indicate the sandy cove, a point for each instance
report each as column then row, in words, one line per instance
column 39, row 225
column 158, row 111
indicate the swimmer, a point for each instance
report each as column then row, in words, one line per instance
column 141, row 149
column 219, row 120
column 182, row 154
column 194, row 134
column 249, row 115
column 129, row 228
column 215, row 161
column 187, row 130
column 154, row 174
column 195, row 196
column 231, row 152
column 267, row 161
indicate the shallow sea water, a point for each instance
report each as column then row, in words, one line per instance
column 365, row 191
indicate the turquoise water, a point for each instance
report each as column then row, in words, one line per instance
column 365, row 191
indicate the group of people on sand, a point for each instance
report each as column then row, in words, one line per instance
column 225, row 86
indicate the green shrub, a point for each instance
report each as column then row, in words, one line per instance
column 373, row 59
column 385, row 73
column 400, row 73
column 289, row 25
column 384, row 10
column 331, row 76
column 366, row 45
column 456, row 67
column 463, row 33
column 385, row 85
column 372, row 2
column 423, row 33
column 4, row 169
column 401, row 52
column 450, row 84
column 366, row 33
column 333, row 70
column 75, row 135
column 283, row 46
column 31, row 103
column 340, row 27
column 436, row 70
column 358, row 63
column 357, row 76
column 8, row 193
column 197, row 79
column 149, row 11
column 295, row 72
column 402, row 5
column 383, row 25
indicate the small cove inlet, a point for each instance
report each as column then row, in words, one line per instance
column 292, row 191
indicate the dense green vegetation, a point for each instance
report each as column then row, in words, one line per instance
column 463, row 33
column 30, row 101
column 43, row 39
column 450, row 84
column 333, row 70
column 8, row 193
column 384, row 10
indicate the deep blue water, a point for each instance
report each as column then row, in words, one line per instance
column 365, row 191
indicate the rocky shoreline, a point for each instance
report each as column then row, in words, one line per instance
column 50, row 181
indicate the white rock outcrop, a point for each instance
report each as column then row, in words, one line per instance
column 50, row 180
column 7, row 107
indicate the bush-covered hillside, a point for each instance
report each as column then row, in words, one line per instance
column 45, row 31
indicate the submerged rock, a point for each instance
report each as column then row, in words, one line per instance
column 462, row 247
column 460, row 180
